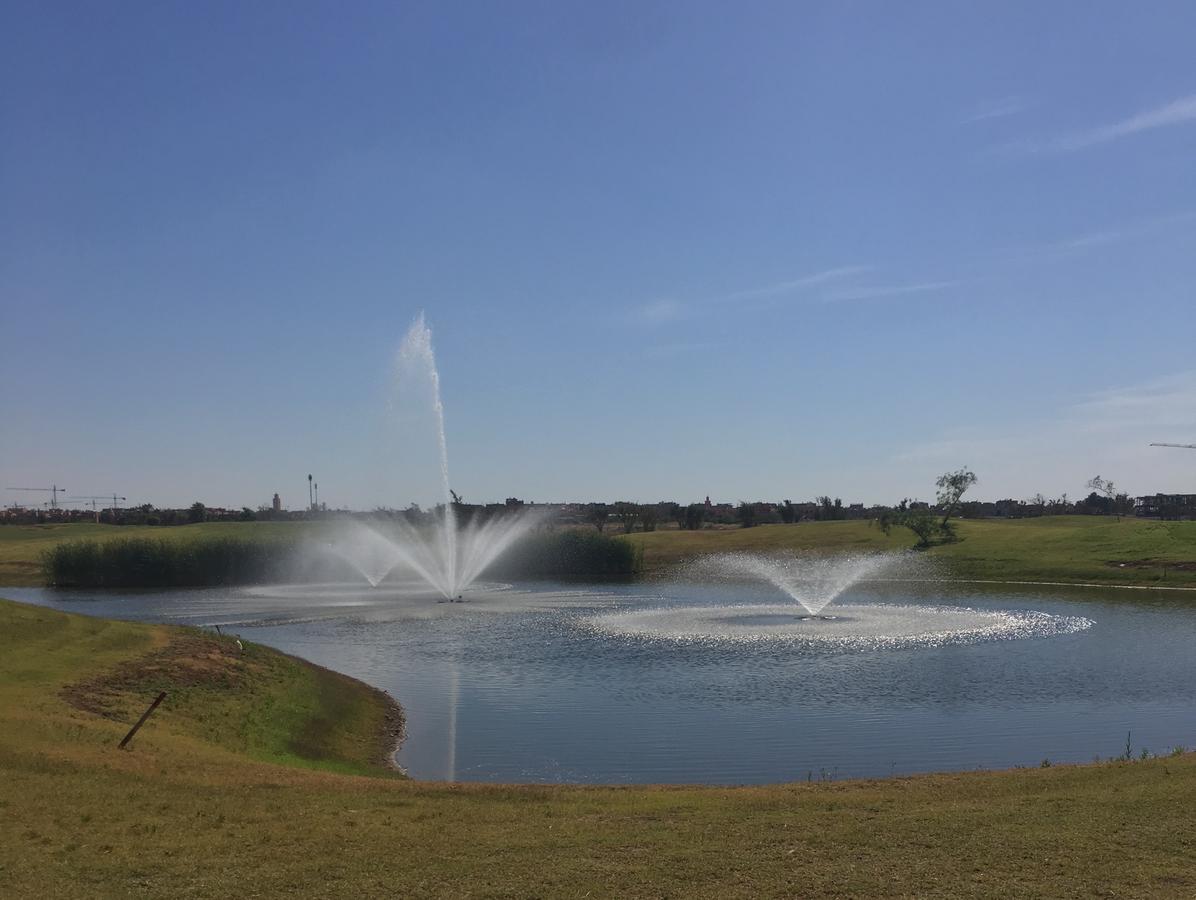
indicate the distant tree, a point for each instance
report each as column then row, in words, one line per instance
column 247, row 514
column 746, row 514
column 952, row 486
column 597, row 514
column 919, row 520
column 695, row 516
column 197, row 512
column 648, row 517
column 627, row 513
column 513, row 503
column 788, row 512
column 1099, row 485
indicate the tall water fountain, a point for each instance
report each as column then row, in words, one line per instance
column 446, row 554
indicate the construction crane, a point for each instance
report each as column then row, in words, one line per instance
column 1181, row 446
column 93, row 500
column 53, row 491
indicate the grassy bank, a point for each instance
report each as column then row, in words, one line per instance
column 1089, row 549
column 209, row 805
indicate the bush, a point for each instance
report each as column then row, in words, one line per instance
column 569, row 556
column 146, row 562
column 160, row 563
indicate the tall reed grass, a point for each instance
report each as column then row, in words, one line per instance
column 148, row 562
column 210, row 561
column 570, row 555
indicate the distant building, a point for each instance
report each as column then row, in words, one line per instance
column 1166, row 506
column 277, row 503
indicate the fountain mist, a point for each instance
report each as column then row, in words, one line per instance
column 813, row 581
column 448, row 556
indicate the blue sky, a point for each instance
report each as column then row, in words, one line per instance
column 761, row 250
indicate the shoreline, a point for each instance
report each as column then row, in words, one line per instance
column 392, row 732
column 193, row 810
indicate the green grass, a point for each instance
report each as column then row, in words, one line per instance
column 202, row 807
column 1071, row 549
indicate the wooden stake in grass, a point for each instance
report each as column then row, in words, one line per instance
column 145, row 715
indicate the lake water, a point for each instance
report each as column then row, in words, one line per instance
column 726, row 684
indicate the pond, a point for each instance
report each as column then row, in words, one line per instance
column 725, row 683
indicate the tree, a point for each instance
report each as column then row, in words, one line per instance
column 924, row 525
column 627, row 513
column 695, row 516
column 952, row 486
column 197, row 512
column 597, row 515
column 1099, row 485
column 788, row 512
column 648, row 517
column 746, row 514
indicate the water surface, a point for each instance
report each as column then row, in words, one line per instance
column 552, row 683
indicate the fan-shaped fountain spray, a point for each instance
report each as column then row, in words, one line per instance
column 812, row 581
column 445, row 554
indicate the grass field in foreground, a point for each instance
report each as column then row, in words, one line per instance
column 1049, row 548
column 202, row 807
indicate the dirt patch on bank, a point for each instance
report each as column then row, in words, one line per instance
column 187, row 660
column 346, row 713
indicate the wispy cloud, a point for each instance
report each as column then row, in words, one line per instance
column 670, row 309
column 1167, row 404
column 797, row 284
column 1107, row 431
column 876, row 292
column 996, row 109
column 1154, row 227
column 1177, row 112
column 662, row 310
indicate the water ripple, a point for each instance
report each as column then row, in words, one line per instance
column 852, row 627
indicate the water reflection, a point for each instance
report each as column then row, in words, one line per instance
column 521, row 684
